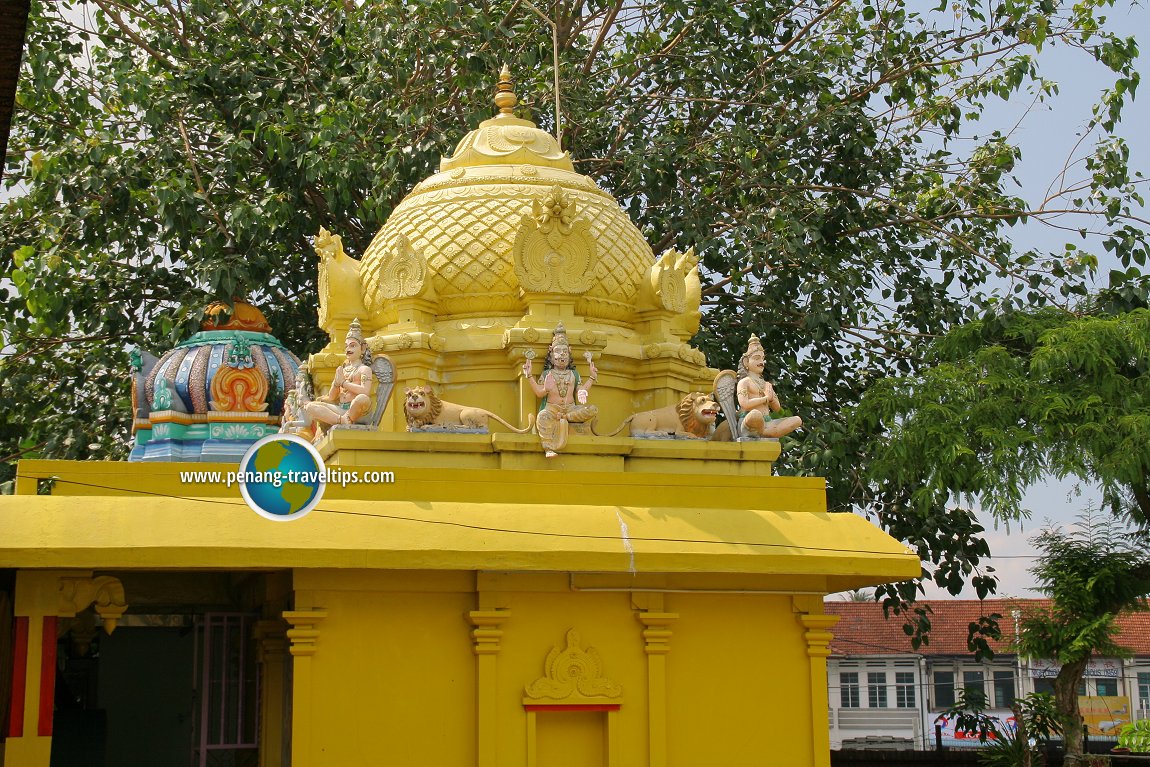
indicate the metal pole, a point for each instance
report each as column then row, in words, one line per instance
column 554, row 63
column 555, row 67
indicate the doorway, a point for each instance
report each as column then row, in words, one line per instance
column 124, row 700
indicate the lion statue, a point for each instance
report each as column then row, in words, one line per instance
column 693, row 418
column 425, row 410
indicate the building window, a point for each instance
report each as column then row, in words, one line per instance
column 943, row 689
column 1144, row 690
column 876, row 689
column 1082, row 688
column 1004, row 689
column 1106, row 686
column 904, row 689
column 1044, row 686
column 974, row 682
column 849, row 689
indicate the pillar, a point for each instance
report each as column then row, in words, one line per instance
column 43, row 596
column 273, row 654
column 818, row 638
column 304, row 636
column 657, row 644
column 486, row 640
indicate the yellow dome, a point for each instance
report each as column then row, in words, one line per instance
column 506, row 210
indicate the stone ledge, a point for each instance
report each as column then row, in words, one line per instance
column 505, row 442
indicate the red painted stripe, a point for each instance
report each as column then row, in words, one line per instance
column 573, row 707
column 19, row 678
column 47, row 675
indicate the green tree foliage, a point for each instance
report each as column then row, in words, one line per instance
column 819, row 155
column 1000, row 404
column 1016, row 396
column 1091, row 574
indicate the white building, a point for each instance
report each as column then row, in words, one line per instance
column 885, row 694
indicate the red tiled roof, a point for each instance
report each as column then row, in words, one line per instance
column 862, row 629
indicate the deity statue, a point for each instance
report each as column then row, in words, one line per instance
column 564, row 395
column 757, row 398
column 294, row 419
column 348, row 400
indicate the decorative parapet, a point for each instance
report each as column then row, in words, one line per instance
column 673, row 350
column 397, row 342
column 518, row 340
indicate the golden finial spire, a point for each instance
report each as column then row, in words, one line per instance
column 505, row 97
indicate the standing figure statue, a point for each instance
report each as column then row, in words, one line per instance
column 564, row 395
column 349, row 398
column 757, row 398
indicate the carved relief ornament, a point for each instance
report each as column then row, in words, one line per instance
column 554, row 251
column 405, row 274
column 573, row 675
column 239, row 390
column 670, row 283
column 339, row 285
column 104, row 592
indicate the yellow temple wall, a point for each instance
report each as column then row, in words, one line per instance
column 730, row 656
column 724, row 678
column 393, row 674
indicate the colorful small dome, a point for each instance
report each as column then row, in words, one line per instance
column 214, row 394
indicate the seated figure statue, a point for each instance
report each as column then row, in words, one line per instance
column 564, row 395
column 348, row 400
column 757, row 398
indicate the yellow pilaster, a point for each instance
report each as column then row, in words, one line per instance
column 818, row 637
column 273, row 654
column 37, row 604
column 657, row 644
column 303, row 635
column 486, row 638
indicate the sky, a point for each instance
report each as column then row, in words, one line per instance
column 1057, row 502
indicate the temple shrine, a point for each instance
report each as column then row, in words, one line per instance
column 562, row 560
